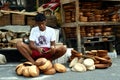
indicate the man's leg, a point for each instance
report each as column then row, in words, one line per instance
column 25, row 51
column 59, row 52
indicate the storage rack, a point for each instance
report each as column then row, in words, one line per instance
column 79, row 24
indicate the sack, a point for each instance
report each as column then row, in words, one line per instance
column 2, row 59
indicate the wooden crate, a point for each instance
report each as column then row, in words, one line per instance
column 5, row 20
column 31, row 20
column 18, row 19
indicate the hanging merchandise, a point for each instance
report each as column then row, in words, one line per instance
column 20, row 4
column 50, row 7
column 4, row 5
column 30, row 5
column 53, row 4
column 0, row 4
column 13, row 4
column 16, row 4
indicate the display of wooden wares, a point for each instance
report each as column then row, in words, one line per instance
column 115, row 17
column 89, row 31
column 82, row 65
column 83, row 19
column 98, row 17
column 46, row 67
column 107, row 31
column 98, row 31
column 27, row 69
column 1, row 45
column 100, row 57
column 2, row 36
column 82, row 32
column 8, row 39
column 102, row 53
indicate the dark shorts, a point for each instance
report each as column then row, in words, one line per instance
column 36, row 54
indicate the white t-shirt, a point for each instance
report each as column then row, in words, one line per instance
column 42, row 38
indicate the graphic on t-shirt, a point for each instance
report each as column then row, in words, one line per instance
column 42, row 40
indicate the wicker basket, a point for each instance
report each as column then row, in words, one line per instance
column 5, row 20
column 18, row 19
column 31, row 20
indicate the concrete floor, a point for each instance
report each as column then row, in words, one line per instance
column 7, row 72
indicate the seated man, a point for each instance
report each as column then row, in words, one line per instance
column 42, row 42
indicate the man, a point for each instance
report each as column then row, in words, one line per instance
column 42, row 42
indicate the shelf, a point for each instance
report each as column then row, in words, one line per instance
column 110, row 0
column 97, row 39
column 98, row 23
column 4, row 49
column 69, row 1
column 66, row 1
column 19, row 12
column 95, row 18
column 73, row 24
column 97, row 42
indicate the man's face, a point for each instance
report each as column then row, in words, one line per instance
column 41, row 25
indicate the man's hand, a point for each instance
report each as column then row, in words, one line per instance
column 41, row 50
column 50, row 51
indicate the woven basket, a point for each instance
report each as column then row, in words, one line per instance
column 18, row 19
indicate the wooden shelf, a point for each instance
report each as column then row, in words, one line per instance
column 69, row 1
column 97, row 39
column 110, row 0
column 98, row 23
column 73, row 24
column 77, row 8
column 102, row 23
column 18, row 12
column 4, row 49
column 66, row 1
